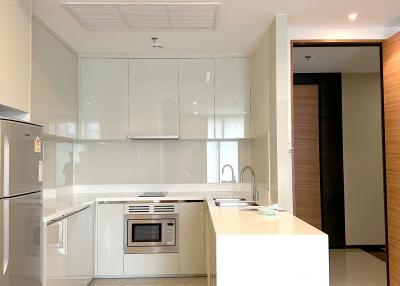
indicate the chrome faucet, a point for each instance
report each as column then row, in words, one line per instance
column 233, row 174
column 254, row 188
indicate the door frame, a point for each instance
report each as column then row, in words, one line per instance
column 346, row 43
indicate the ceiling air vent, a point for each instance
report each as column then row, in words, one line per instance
column 144, row 16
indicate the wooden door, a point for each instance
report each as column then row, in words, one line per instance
column 391, row 84
column 307, row 190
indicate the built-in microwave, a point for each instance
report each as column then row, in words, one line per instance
column 151, row 229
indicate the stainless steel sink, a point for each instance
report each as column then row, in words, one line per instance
column 229, row 199
column 235, row 204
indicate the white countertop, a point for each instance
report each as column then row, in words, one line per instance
column 233, row 221
column 226, row 220
column 57, row 207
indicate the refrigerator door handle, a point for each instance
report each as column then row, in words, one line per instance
column 6, row 167
column 6, row 235
column 6, row 210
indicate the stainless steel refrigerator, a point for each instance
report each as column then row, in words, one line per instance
column 20, row 203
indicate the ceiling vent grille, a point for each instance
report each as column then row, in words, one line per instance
column 144, row 16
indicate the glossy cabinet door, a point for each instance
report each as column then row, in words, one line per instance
column 104, row 98
column 232, row 98
column 110, row 229
column 56, row 254
column 15, row 53
column 196, row 98
column 151, row 264
column 80, row 247
column 54, row 95
column 153, row 98
column 70, row 250
column 73, row 249
column 191, row 238
column 211, row 249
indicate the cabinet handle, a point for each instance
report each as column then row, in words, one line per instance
column 153, row 137
column 66, row 215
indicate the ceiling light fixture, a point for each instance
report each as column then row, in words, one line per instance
column 194, row 102
column 155, row 44
column 352, row 16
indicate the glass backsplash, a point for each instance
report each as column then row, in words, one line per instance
column 158, row 161
column 68, row 161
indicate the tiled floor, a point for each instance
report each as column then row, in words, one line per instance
column 354, row 267
column 349, row 267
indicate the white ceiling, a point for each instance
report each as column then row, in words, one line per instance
column 240, row 25
column 337, row 59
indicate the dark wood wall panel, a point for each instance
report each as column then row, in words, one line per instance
column 307, row 189
column 391, row 83
column 331, row 152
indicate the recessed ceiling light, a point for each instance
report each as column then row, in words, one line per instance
column 352, row 16
column 194, row 102
column 195, row 113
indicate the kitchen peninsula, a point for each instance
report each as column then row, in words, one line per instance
column 241, row 247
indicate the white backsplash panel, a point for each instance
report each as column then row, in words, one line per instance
column 158, row 162
column 58, row 162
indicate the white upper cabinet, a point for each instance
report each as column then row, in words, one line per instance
column 104, row 99
column 15, row 54
column 54, row 95
column 164, row 98
column 232, row 98
column 153, row 98
column 196, row 97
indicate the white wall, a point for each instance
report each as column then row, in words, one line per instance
column 260, row 113
column 54, row 99
column 363, row 159
column 282, row 112
column 270, row 112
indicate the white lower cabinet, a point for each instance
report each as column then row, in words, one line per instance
column 112, row 262
column 151, row 264
column 210, row 253
column 56, row 254
column 191, row 238
column 70, row 250
column 110, row 252
column 80, row 247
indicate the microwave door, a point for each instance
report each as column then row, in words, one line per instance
column 145, row 233
column 20, row 158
